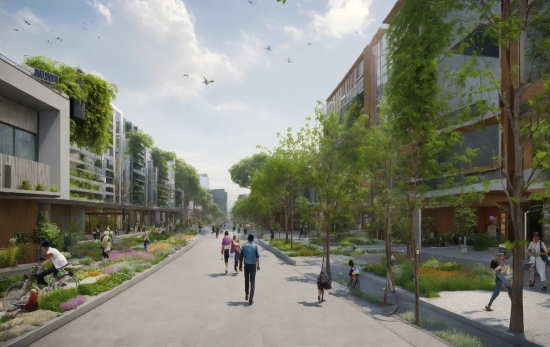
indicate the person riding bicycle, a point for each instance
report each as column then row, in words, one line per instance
column 58, row 261
column 353, row 272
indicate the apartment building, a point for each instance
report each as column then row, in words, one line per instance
column 34, row 141
column 365, row 81
column 220, row 199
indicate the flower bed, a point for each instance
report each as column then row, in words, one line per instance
column 435, row 277
column 298, row 249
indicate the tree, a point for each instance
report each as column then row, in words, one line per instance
column 464, row 219
column 243, row 171
column 138, row 142
column 187, row 180
column 521, row 29
column 417, row 108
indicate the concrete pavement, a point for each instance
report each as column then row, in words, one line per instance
column 191, row 302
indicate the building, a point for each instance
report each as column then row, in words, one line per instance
column 34, row 147
column 242, row 196
column 220, row 199
column 204, row 181
column 365, row 82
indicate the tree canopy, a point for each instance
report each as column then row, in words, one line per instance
column 243, row 171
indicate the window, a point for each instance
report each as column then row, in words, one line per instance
column 16, row 142
column 481, row 44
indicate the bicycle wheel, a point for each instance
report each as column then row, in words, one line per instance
column 68, row 282
column 357, row 284
column 17, row 293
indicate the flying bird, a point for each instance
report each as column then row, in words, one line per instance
column 250, row 2
column 50, row 42
column 268, row 48
column 92, row 21
column 27, row 22
column 313, row 30
column 16, row 29
column 207, row 82
column 309, row 43
column 186, row 75
column 52, row 30
column 99, row 37
column 84, row 23
column 59, row 39
column 288, row 60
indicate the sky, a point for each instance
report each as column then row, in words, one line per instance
column 146, row 46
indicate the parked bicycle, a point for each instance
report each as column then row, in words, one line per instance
column 18, row 293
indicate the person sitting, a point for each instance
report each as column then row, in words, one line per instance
column 58, row 261
column 32, row 304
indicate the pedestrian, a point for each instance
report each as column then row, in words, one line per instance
column 233, row 228
column 146, row 241
column 245, row 230
column 272, row 232
column 497, row 232
column 251, row 258
column 58, row 261
column 321, row 287
column 106, row 245
column 500, row 279
column 116, row 230
column 353, row 273
column 213, row 230
column 217, row 231
column 239, row 229
column 537, row 260
column 136, row 228
column 108, row 229
column 143, row 227
column 226, row 248
column 301, row 231
column 236, row 250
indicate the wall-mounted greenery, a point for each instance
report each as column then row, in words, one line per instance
column 161, row 159
column 83, row 185
column 40, row 187
column 54, row 188
column 94, row 132
column 25, row 185
column 138, row 142
column 83, row 174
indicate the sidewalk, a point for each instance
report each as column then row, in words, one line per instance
column 191, row 302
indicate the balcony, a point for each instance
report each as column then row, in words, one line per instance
column 14, row 170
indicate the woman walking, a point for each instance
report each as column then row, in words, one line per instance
column 146, row 241
column 226, row 247
column 501, row 271
column 106, row 245
column 236, row 249
column 537, row 251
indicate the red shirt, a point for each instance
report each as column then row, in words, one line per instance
column 32, row 301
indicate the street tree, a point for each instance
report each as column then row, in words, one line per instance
column 243, row 171
column 417, row 108
column 521, row 29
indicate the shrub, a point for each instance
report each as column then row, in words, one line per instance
column 341, row 251
column 25, row 185
column 7, row 281
column 54, row 188
column 52, row 301
column 73, row 303
column 482, row 242
column 190, row 232
column 91, row 250
column 40, row 187
column 46, row 230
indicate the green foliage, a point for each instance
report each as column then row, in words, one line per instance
column 91, row 249
column 46, row 230
column 482, row 242
column 243, row 171
column 25, row 185
column 83, row 184
column 52, row 300
column 458, row 338
column 298, row 249
column 103, row 284
column 358, row 240
column 39, row 187
column 161, row 160
column 94, row 132
column 355, row 109
column 137, row 143
column 54, row 188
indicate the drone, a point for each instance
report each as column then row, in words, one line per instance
column 207, row 82
column 27, row 22
column 186, row 75
column 268, row 48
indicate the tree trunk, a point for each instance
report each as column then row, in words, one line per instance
column 415, row 262
column 327, row 245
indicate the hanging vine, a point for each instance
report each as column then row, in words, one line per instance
column 94, row 132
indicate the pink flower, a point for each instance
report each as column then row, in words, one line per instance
column 73, row 303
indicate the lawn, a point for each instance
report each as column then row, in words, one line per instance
column 298, row 249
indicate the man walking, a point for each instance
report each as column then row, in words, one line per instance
column 251, row 258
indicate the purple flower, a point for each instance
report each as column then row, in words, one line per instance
column 73, row 303
column 117, row 255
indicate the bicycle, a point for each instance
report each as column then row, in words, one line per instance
column 354, row 283
column 17, row 295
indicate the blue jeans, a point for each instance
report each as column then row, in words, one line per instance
column 237, row 259
column 249, row 277
column 498, row 284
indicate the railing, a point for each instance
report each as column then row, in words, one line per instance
column 14, row 170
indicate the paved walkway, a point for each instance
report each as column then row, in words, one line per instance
column 191, row 302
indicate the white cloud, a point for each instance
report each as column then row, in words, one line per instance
column 342, row 17
column 296, row 33
column 103, row 10
column 232, row 106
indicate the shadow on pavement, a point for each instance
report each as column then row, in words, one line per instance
column 239, row 303
column 299, row 279
column 310, row 304
column 218, row 275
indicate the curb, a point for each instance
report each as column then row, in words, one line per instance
column 56, row 323
column 501, row 334
column 278, row 253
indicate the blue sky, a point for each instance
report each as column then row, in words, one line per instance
column 145, row 47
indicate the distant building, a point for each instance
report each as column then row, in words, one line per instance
column 220, row 199
column 204, row 181
column 242, row 196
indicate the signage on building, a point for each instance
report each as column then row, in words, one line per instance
column 46, row 76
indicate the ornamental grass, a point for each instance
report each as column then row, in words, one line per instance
column 128, row 255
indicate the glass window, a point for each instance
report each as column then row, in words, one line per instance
column 487, row 141
column 6, row 139
column 25, row 145
column 482, row 44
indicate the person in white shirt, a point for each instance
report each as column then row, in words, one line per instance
column 58, row 261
